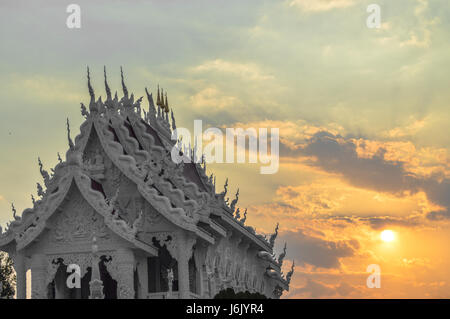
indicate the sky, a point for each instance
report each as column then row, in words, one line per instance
column 363, row 115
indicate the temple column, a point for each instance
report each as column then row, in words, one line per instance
column 21, row 276
column 38, row 271
column 185, row 243
column 199, row 257
column 142, row 269
column 125, row 273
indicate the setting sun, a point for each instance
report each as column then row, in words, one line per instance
column 387, row 235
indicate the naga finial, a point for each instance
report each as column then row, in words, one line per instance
column 14, row 212
column 290, row 273
column 282, row 255
column 234, row 201
column 91, row 90
column 43, row 172
column 40, row 190
column 33, row 200
column 225, row 188
column 124, row 88
column 108, row 91
column 59, row 158
column 71, row 146
column 274, row 236
column 245, row 216
column 238, row 214
column 84, row 111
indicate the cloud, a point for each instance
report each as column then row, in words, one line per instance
column 213, row 98
column 336, row 154
column 247, row 71
column 313, row 250
column 321, row 5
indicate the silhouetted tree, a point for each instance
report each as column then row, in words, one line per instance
column 7, row 276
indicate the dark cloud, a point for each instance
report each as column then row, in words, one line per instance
column 336, row 154
column 382, row 222
column 315, row 251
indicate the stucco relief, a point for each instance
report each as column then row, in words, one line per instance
column 79, row 222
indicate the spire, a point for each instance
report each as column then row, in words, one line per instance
column 68, row 135
column 151, row 105
column 108, row 91
column 158, row 99
column 91, row 90
column 166, row 105
column 124, row 88
column 174, row 125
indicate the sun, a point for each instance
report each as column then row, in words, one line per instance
column 387, row 235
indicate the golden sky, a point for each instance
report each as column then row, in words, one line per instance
column 363, row 117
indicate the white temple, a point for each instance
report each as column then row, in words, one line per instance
column 137, row 224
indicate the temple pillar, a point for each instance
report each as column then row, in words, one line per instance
column 199, row 258
column 125, row 272
column 38, row 272
column 21, row 276
column 142, row 269
column 185, row 243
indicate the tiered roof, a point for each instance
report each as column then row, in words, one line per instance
column 140, row 147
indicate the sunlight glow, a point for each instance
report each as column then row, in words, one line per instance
column 387, row 235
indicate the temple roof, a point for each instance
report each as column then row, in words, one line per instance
column 139, row 146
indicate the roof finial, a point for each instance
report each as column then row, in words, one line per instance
column 166, row 105
column 245, row 217
column 290, row 273
column 234, row 201
column 68, row 135
column 91, row 90
column 108, row 91
column 151, row 105
column 174, row 125
column 43, row 172
column 282, row 255
column 238, row 214
column 14, row 212
column 274, row 236
column 158, row 98
column 124, row 88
